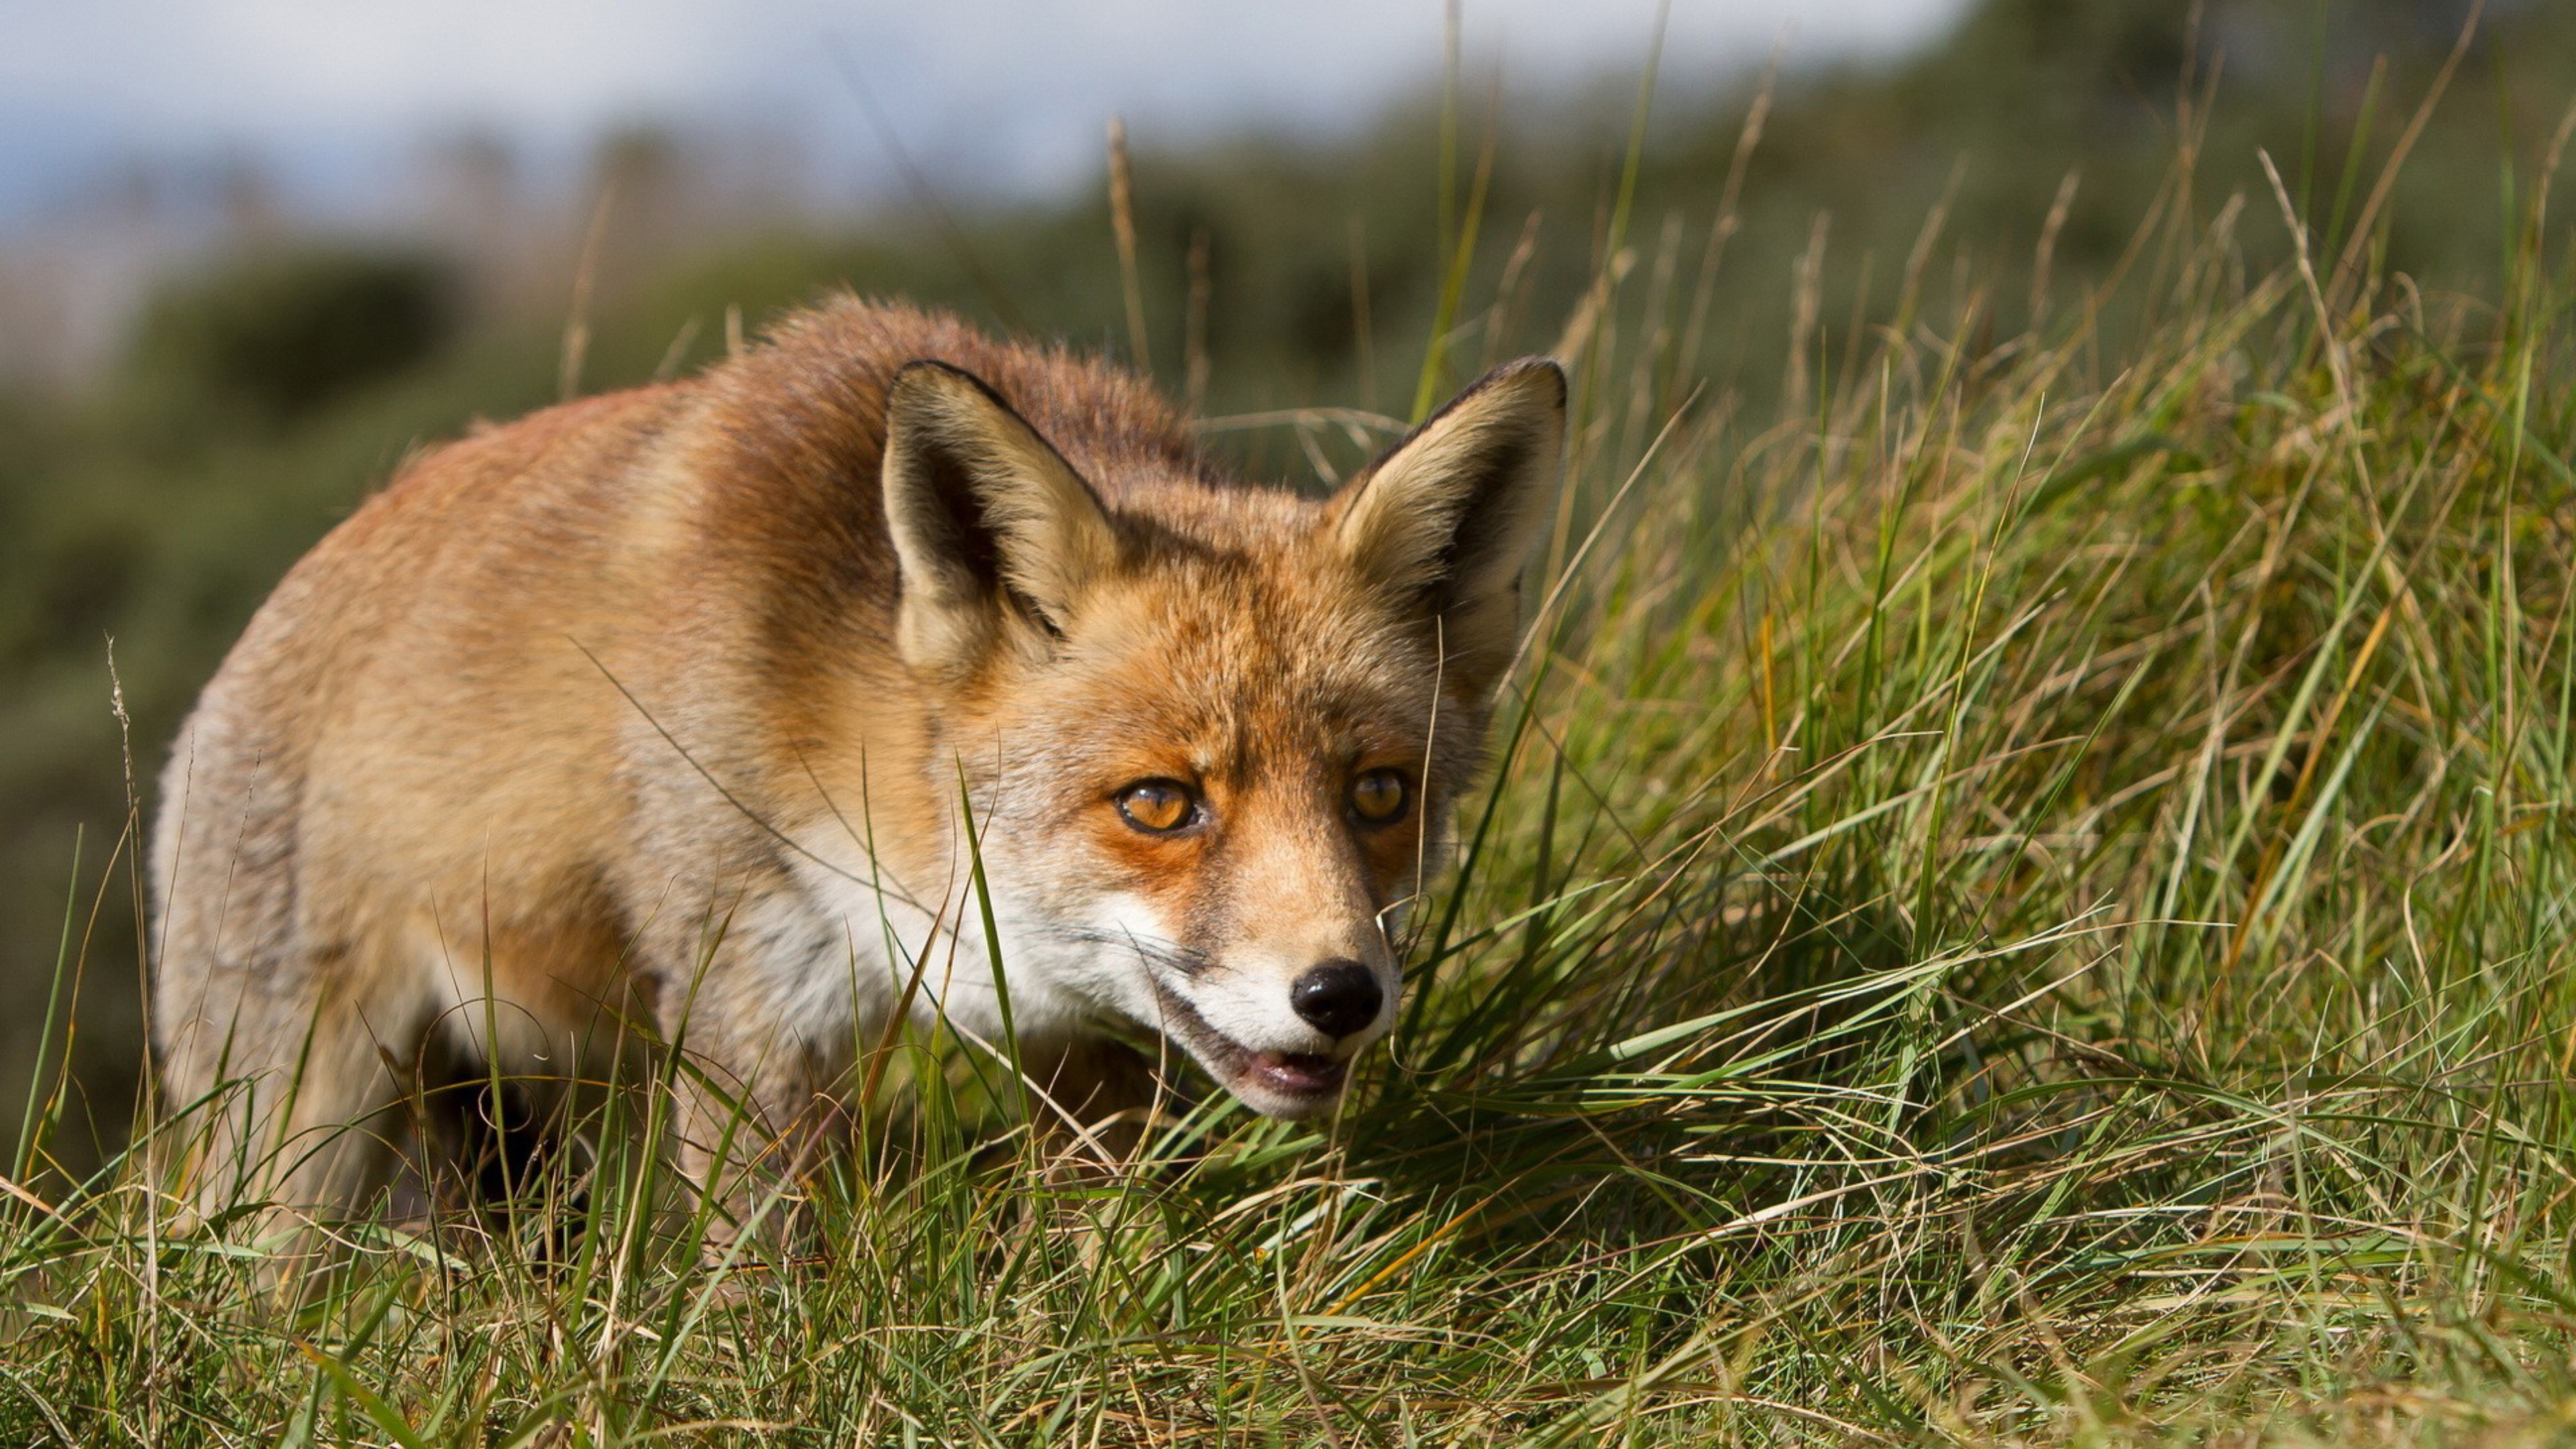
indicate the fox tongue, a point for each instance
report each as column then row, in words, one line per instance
column 1297, row 1073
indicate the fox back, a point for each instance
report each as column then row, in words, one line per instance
column 885, row 669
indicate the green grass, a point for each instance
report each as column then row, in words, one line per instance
column 2026, row 899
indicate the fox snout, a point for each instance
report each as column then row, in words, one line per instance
column 1282, row 1040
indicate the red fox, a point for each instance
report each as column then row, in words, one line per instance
column 885, row 667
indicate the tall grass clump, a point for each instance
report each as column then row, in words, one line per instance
column 2024, row 899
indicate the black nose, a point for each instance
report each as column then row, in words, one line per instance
column 1337, row 998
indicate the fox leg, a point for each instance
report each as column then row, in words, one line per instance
column 1091, row 1106
column 289, row 1091
column 763, row 1028
column 749, row 1128
column 1091, row 1101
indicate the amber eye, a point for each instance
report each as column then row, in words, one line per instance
column 1379, row 796
column 1158, row 807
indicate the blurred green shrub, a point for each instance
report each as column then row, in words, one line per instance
column 257, row 343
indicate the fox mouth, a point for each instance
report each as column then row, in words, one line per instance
column 1275, row 1084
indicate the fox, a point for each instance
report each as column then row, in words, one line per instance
column 883, row 671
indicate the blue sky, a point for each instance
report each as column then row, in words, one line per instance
column 1006, row 94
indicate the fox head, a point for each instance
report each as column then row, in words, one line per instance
column 1211, row 736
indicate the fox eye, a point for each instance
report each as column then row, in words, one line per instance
column 1380, row 797
column 1158, row 807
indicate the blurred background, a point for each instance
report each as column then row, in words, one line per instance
column 252, row 254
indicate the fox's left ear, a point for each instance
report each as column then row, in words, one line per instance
column 1444, row 521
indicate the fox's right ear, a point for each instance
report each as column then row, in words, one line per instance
column 996, row 535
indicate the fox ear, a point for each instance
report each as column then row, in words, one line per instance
column 995, row 533
column 1445, row 519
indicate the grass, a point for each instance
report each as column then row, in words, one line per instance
column 2024, row 901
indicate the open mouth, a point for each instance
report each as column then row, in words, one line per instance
column 1295, row 1074
column 1275, row 1084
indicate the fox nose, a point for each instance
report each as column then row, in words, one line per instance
column 1337, row 998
